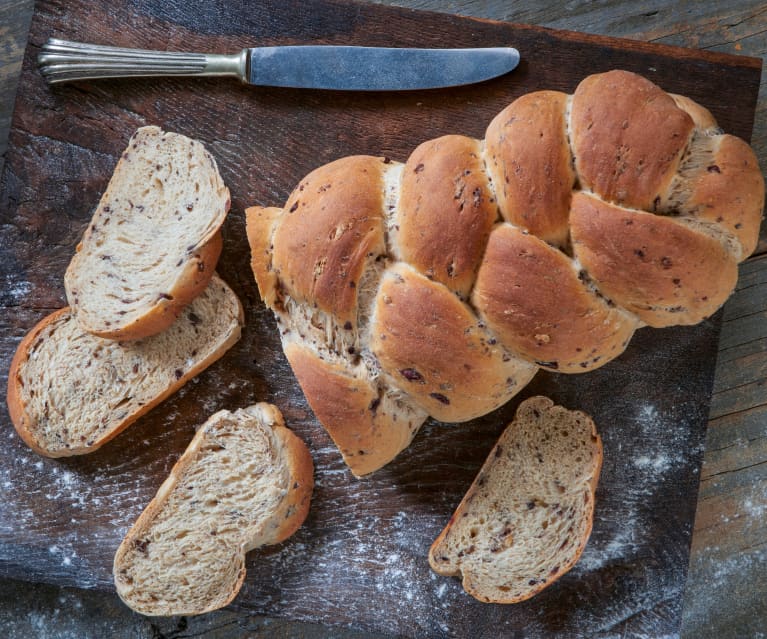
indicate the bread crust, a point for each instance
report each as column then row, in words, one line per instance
column 260, row 223
column 470, row 583
column 415, row 322
column 728, row 192
column 564, row 327
column 24, row 421
column 194, row 271
column 322, row 245
column 352, row 411
column 700, row 115
column 446, row 210
column 293, row 510
column 617, row 207
column 282, row 524
column 528, row 156
column 663, row 271
column 16, row 408
column 609, row 125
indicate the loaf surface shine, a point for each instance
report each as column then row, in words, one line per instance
column 441, row 285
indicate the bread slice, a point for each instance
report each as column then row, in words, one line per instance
column 244, row 481
column 69, row 392
column 153, row 242
column 526, row 518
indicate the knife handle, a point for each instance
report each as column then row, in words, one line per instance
column 63, row 61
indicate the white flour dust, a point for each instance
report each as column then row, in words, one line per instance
column 661, row 448
column 383, row 557
column 14, row 289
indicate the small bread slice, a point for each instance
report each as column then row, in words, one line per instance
column 70, row 392
column 244, row 481
column 153, row 243
column 526, row 518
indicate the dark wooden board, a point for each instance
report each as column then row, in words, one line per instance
column 361, row 557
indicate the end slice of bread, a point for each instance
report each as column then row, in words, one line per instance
column 244, row 481
column 69, row 392
column 526, row 518
column 153, row 242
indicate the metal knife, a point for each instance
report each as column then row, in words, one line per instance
column 342, row 68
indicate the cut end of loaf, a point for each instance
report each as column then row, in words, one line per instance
column 245, row 481
column 153, row 242
column 526, row 518
column 70, row 392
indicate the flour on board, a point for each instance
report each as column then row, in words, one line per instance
column 14, row 291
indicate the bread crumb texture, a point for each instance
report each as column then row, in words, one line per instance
column 526, row 518
column 147, row 248
column 243, row 481
column 70, row 391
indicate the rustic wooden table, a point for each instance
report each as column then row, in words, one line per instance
column 726, row 594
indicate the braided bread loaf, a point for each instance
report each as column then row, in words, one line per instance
column 439, row 286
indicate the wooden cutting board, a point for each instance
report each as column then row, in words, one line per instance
column 360, row 559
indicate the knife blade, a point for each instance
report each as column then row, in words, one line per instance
column 344, row 68
column 376, row 69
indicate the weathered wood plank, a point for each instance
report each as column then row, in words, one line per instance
column 735, row 592
column 726, row 585
column 14, row 25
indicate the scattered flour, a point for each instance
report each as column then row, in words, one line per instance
column 621, row 547
column 661, row 447
column 65, row 552
column 756, row 507
column 657, row 463
column 16, row 290
column 66, row 488
column 722, row 573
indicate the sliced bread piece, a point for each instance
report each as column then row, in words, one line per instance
column 244, row 481
column 526, row 518
column 69, row 391
column 153, row 242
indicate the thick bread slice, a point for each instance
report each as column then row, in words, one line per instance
column 153, row 242
column 69, row 392
column 526, row 518
column 244, row 481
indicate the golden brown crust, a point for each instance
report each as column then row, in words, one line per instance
column 416, row 325
column 260, row 223
column 654, row 266
column 333, row 222
column 24, row 422
column 700, row 115
column 729, row 192
column 628, row 136
column 19, row 417
column 351, row 411
column 446, row 210
column 528, row 156
column 530, row 295
column 295, row 506
column 628, row 224
column 197, row 273
column 299, row 498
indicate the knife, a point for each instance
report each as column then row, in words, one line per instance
column 344, row 68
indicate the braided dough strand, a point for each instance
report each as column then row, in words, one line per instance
column 438, row 287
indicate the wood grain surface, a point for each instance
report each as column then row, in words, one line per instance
column 369, row 538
